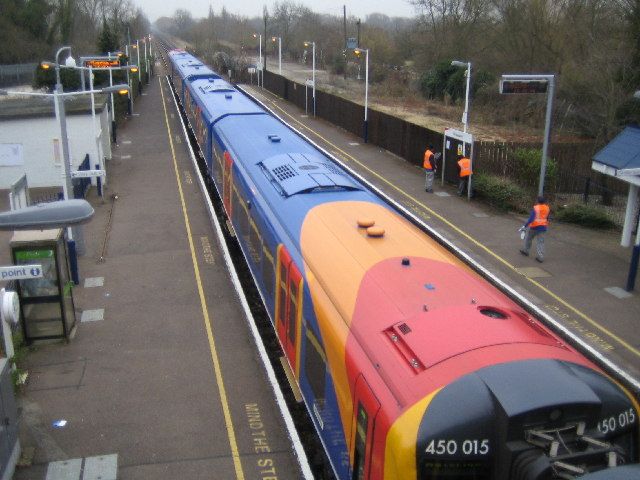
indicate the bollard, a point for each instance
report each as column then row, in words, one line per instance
column 73, row 261
column 633, row 269
column 99, row 182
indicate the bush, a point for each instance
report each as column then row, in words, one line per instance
column 585, row 215
column 528, row 167
column 499, row 192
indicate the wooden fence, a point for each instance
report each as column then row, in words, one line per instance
column 408, row 140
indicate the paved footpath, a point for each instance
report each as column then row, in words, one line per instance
column 580, row 282
column 162, row 379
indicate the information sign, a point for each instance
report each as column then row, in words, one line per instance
column 102, row 62
column 20, row 272
column 524, row 86
column 88, row 173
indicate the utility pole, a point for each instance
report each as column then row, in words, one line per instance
column 265, row 15
column 358, row 25
column 344, row 16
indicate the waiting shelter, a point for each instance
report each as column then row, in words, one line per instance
column 621, row 159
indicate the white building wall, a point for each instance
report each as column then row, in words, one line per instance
column 37, row 136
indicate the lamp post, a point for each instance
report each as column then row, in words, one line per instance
column 366, row 90
column 273, row 39
column 260, row 74
column 146, row 61
column 129, row 96
column 69, row 62
column 137, row 47
column 313, row 72
column 465, row 115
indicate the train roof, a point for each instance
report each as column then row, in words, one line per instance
column 217, row 98
column 291, row 175
column 192, row 68
column 286, row 160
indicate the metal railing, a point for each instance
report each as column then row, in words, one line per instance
column 18, row 74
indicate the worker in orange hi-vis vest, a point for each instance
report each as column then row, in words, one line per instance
column 464, row 170
column 536, row 226
column 429, row 165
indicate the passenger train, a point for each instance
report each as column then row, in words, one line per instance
column 411, row 364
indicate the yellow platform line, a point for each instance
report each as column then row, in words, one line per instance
column 566, row 304
column 205, row 312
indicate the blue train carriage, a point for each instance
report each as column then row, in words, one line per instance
column 261, row 170
column 207, row 101
column 185, row 67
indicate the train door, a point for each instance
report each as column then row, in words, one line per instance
column 364, row 415
column 227, row 183
column 289, row 307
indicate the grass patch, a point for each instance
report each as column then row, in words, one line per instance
column 585, row 215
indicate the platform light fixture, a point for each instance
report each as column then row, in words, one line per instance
column 313, row 72
column 467, row 66
column 261, row 72
column 273, row 39
column 359, row 51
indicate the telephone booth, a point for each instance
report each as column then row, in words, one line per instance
column 46, row 303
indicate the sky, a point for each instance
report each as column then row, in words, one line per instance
column 253, row 8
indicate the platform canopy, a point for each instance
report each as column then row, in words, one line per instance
column 621, row 159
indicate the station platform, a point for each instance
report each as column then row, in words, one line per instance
column 161, row 379
column 581, row 282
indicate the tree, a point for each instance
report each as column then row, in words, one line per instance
column 107, row 40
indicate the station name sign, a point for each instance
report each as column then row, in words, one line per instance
column 102, row 63
column 524, row 86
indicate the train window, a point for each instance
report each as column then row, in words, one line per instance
column 361, row 442
column 217, row 166
column 244, row 222
column 293, row 311
column 235, row 206
column 283, row 291
column 240, row 214
column 255, row 243
column 268, row 272
column 315, row 364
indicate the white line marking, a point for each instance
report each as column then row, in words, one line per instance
column 282, row 405
column 125, row 157
column 126, row 142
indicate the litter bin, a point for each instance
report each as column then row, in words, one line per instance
column 46, row 303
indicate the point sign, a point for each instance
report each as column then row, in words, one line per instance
column 20, row 272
